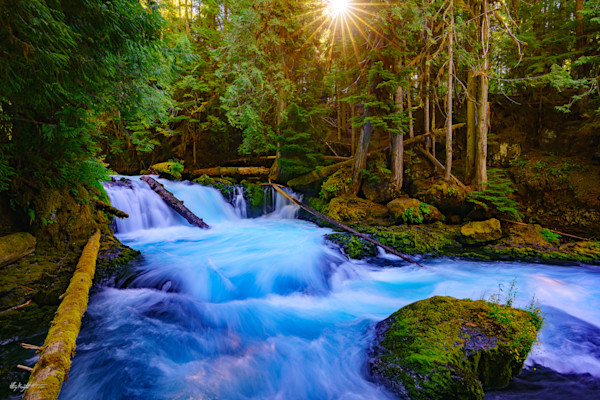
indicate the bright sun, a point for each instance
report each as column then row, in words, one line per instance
column 338, row 7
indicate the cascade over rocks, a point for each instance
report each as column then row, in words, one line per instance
column 445, row 348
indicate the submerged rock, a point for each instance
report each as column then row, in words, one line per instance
column 481, row 231
column 445, row 348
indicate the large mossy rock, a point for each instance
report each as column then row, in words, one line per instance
column 431, row 239
column 15, row 246
column 338, row 184
column 445, row 348
column 448, row 197
column 413, row 211
column 478, row 232
column 352, row 209
column 169, row 170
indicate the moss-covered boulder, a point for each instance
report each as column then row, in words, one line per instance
column 432, row 239
column 379, row 191
column 448, row 197
column 478, row 232
column 445, row 348
column 352, row 209
column 15, row 246
column 338, row 184
column 531, row 242
column 225, row 186
column 169, row 170
column 413, row 211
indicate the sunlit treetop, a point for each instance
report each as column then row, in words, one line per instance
column 338, row 8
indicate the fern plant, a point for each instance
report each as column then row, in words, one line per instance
column 496, row 195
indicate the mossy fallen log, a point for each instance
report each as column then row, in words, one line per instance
column 53, row 365
column 15, row 246
column 110, row 209
column 318, row 174
column 175, row 203
column 232, row 171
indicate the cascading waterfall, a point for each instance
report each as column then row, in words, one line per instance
column 263, row 309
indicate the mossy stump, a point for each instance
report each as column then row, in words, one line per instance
column 445, row 348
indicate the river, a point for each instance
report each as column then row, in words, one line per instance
column 265, row 308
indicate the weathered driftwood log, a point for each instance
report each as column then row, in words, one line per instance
column 175, row 203
column 53, row 365
column 15, row 246
column 110, row 209
column 318, row 173
column 232, row 171
column 342, row 226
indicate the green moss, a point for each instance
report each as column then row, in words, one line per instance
column 434, row 239
column 444, row 348
column 170, row 169
column 338, row 184
column 255, row 193
column 352, row 209
column 15, row 246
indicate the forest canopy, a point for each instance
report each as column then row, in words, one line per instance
column 129, row 82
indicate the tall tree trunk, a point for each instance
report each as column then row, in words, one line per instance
column 360, row 160
column 433, row 125
column 483, row 120
column 187, row 17
column 339, row 113
column 450, row 97
column 397, row 161
column 471, row 124
column 579, row 30
column 411, row 126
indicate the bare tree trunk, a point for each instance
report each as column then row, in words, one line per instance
column 411, row 128
column 339, row 113
column 397, row 161
column 579, row 29
column 482, row 124
column 450, row 97
column 471, row 124
column 360, row 160
column 433, row 125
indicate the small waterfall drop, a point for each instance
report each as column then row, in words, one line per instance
column 239, row 202
column 145, row 208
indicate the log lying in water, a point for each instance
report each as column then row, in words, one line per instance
column 232, row 171
column 53, row 365
column 342, row 226
column 175, row 203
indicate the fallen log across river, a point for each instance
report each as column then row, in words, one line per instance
column 175, row 203
column 314, row 212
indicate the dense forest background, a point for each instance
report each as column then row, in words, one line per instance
column 481, row 86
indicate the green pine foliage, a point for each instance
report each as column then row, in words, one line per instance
column 66, row 65
column 496, row 195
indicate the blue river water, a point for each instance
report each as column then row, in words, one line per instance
column 264, row 308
